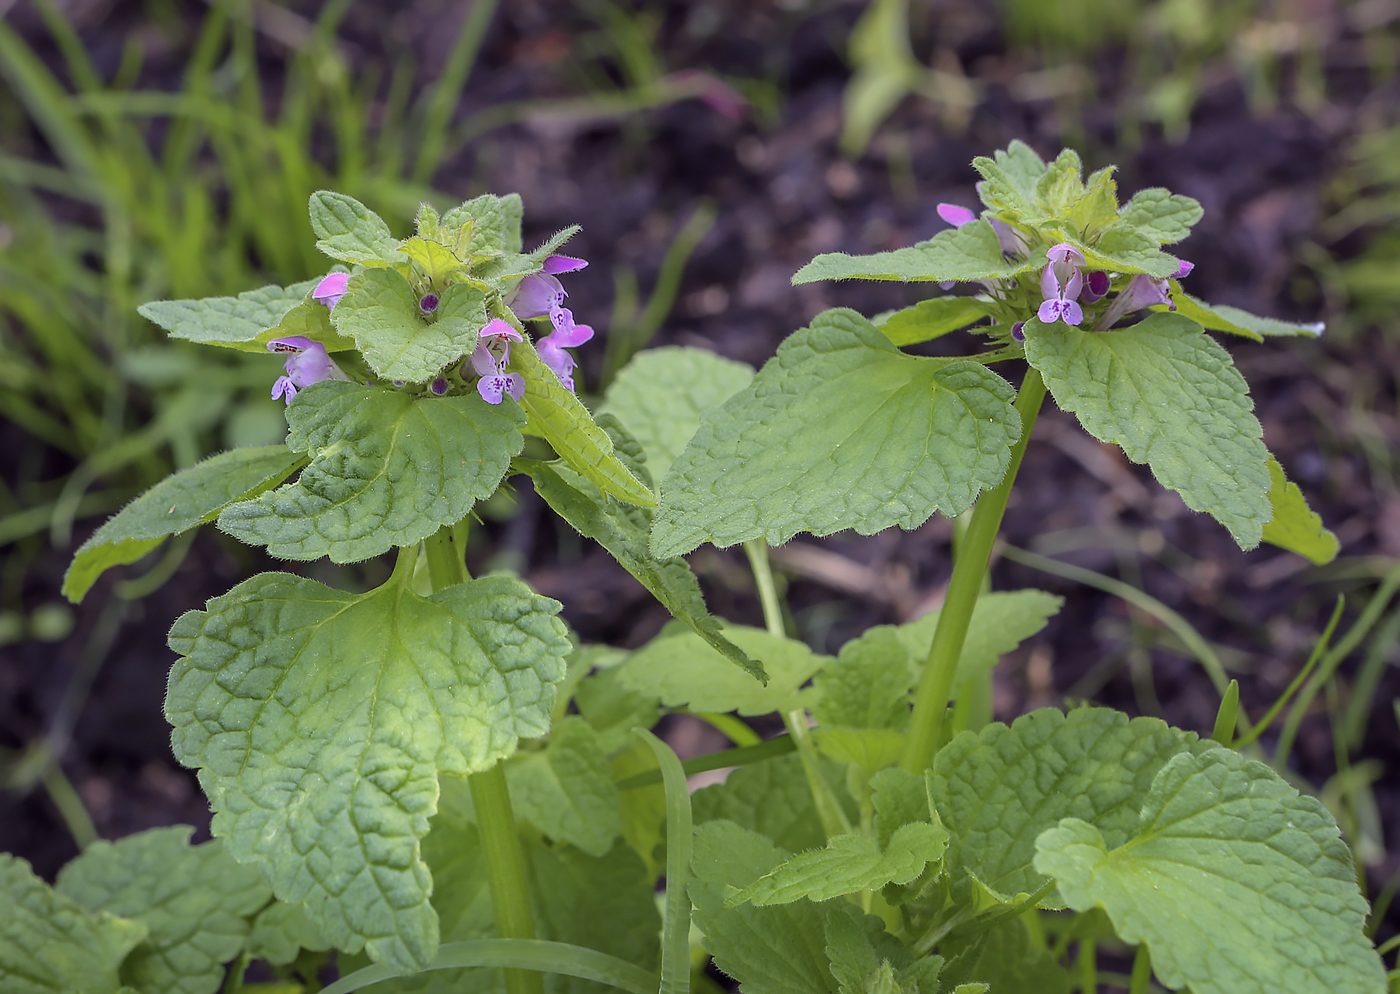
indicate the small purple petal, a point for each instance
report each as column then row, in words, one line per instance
column 500, row 328
column 562, row 264
column 570, row 335
column 292, row 343
column 955, row 215
column 331, row 289
column 493, row 388
column 1049, row 311
column 1009, row 238
column 306, row 364
column 515, row 385
column 1183, row 270
column 428, row 303
column 438, row 386
column 1065, row 253
column 284, row 387
column 1075, row 284
column 1071, row 312
column 558, row 360
column 535, row 296
column 483, row 361
column 1018, row 331
column 1096, row 284
column 1049, row 285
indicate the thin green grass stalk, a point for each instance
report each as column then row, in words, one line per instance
column 680, row 836
column 740, row 756
column 1363, row 692
column 1318, row 649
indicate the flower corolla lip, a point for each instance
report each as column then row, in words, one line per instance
column 955, row 215
column 1183, row 270
column 1060, row 303
column 554, row 356
column 495, row 386
column 331, row 289
column 500, row 328
column 306, row 364
column 556, row 264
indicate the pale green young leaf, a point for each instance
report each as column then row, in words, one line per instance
column 865, row 959
column 1022, row 166
column 427, row 223
column 281, row 931
column 178, row 503
column 660, row 395
column 643, row 808
column 838, row 430
column 230, row 321
column 611, row 708
column 1222, row 317
column 867, row 686
column 849, row 863
column 1003, row 960
column 1000, row 622
column 930, row 319
column 566, row 790
column 971, row 252
column 437, row 261
column 386, row 469
column 1161, row 215
column 483, row 223
column 50, row 944
column 1062, row 184
column 1002, row 192
column 623, row 530
column 559, row 417
column 1122, row 249
column 350, row 231
column 512, row 211
column 1227, row 857
column 1295, row 526
column 380, row 311
column 194, row 900
column 680, row 669
column 900, row 798
column 309, row 320
column 997, row 790
column 1170, row 396
column 1097, row 208
column 771, row 798
column 321, row 719
column 869, row 749
column 769, row 950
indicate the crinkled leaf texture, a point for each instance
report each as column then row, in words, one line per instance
column 849, row 863
column 1236, row 883
column 234, row 322
column 661, row 394
column 350, row 231
column 971, row 252
column 771, row 798
column 50, row 944
column 380, row 311
column 386, row 469
column 181, row 501
column 997, row 790
column 320, row 721
column 1295, row 526
column 566, row 790
column 865, row 959
column 282, row 931
column 838, row 430
column 1161, row 215
column 1170, row 396
column 195, row 900
column 1004, row 959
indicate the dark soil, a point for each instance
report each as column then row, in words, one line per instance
column 783, row 193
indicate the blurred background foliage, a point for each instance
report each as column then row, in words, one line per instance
column 152, row 148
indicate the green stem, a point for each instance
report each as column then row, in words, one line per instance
column 505, row 859
column 834, row 820
column 975, row 555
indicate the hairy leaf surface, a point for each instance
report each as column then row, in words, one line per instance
column 1236, row 883
column 1161, row 215
column 380, row 311
column 350, row 231
column 320, row 721
column 386, row 469
column 930, row 319
column 1166, row 393
column 971, row 252
column 1295, row 526
column 235, row 322
column 839, row 430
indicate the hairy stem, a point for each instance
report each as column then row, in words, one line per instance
column 505, row 859
column 969, row 569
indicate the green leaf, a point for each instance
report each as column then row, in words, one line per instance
column 321, row 719
column 1001, row 191
column 867, row 686
column 484, row 224
column 1295, row 526
column 386, row 469
column 566, row 791
column 1204, row 315
column 1161, row 215
column 929, row 319
column 1122, row 249
column 849, row 863
column 900, row 799
column 870, row 749
column 1228, row 858
column 178, row 503
column 1097, row 208
column 560, row 418
column 230, row 321
column 1021, row 166
column 1062, row 185
column 310, row 320
column 681, row 669
column 350, row 231
column 611, row 708
column 1222, row 317
column 660, row 395
column 437, row 261
column 195, row 901
column 1171, row 397
column 771, row 798
column 624, row 531
column 380, row 311
column 971, row 252
column 865, row 959
column 1003, row 959
column 1000, row 622
column 839, row 430
column 998, row 789
column 281, row 931
column 50, row 944
column 769, row 950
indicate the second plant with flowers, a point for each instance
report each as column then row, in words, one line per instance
column 432, row 783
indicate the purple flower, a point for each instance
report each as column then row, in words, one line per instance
column 331, row 289
column 541, row 294
column 551, row 349
column 1183, row 270
column 1018, row 331
column 955, row 215
column 438, row 386
column 308, row 363
column 492, row 352
column 1096, row 285
column 1060, row 283
column 428, row 303
column 1142, row 291
column 1007, row 237
column 492, row 388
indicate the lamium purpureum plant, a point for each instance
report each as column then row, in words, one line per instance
column 431, row 782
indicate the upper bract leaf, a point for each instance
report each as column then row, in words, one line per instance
column 194, row 899
column 1161, row 215
column 230, row 321
column 839, row 430
column 386, row 469
column 1170, row 396
column 660, row 395
column 380, row 311
column 50, row 944
column 1236, row 883
column 1122, row 249
column 350, row 231
column 179, row 502
column 321, row 719
column 997, row 790
column 1222, row 317
column 1295, row 526
column 971, row 252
